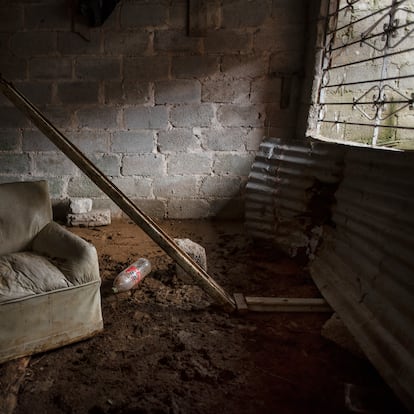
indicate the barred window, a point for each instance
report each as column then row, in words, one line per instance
column 366, row 88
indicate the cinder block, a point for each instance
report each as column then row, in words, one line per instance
column 196, row 252
column 220, row 187
column 82, row 186
column 193, row 115
column 175, row 187
column 4, row 101
column 194, row 66
column 148, row 68
column 61, row 116
column 98, row 68
column 286, row 61
column 266, row 90
column 11, row 18
column 224, row 139
column 146, row 117
column 34, row 140
column 228, row 41
column 29, row 44
column 147, row 165
column 138, row 142
column 10, row 140
column 226, row 91
column 241, row 116
column 11, row 117
column 177, row 91
column 36, row 92
column 80, row 205
column 4, row 44
column 126, row 44
column 134, row 187
column 78, row 92
column 102, row 117
column 241, row 14
column 233, row 164
column 187, row 208
column 242, row 67
column 13, row 68
column 189, row 163
column 72, row 44
column 172, row 41
column 94, row 218
column 50, row 68
column 90, row 141
column 294, row 14
column 10, row 178
column 53, row 164
column 154, row 208
column 14, row 164
column 49, row 16
column 289, row 38
column 177, row 140
column 131, row 92
column 134, row 14
column 254, row 138
column 109, row 164
column 56, row 187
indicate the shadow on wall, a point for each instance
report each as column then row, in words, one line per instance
column 174, row 120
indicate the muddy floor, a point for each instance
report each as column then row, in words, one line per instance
column 166, row 348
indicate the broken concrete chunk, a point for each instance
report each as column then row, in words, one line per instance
column 196, row 252
column 91, row 219
column 336, row 331
column 80, row 205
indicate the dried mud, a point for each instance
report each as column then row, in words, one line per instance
column 166, row 348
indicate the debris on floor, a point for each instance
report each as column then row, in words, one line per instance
column 93, row 218
column 196, row 252
column 167, row 348
column 336, row 331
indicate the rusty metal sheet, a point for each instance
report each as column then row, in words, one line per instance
column 280, row 193
column 365, row 265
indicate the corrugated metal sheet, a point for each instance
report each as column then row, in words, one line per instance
column 365, row 265
column 284, row 182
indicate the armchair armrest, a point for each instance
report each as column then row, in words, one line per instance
column 75, row 258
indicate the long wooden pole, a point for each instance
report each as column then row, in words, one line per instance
column 198, row 274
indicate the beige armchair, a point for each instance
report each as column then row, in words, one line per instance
column 49, row 277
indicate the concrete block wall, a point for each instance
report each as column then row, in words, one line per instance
column 173, row 120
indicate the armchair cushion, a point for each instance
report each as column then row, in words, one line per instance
column 26, row 273
column 76, row 258
column 25, row 208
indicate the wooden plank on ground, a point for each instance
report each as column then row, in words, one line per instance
column 241, row 304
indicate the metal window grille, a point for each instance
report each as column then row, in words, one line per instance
column 366, row 89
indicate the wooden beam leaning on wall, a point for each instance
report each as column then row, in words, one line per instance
column 198, row 274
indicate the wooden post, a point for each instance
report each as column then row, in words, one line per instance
column 199, row 275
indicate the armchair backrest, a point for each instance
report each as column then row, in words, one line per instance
column 25, row 208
